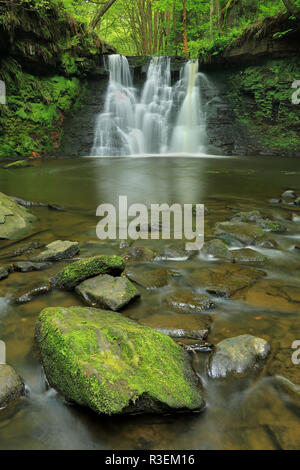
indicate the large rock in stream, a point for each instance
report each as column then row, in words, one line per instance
column 15, row 220
column 113, row 365
column 237, row 356
column 83, row 269
column 107, row 291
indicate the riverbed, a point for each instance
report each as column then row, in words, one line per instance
column 240, row 414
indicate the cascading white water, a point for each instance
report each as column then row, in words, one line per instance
column 189, row 133
column 130, row 126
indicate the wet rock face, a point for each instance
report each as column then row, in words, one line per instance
column 188, row 301
column 113, row 365
column 237, row 356
column 192, row 326
column 11, row 385
column 149, row 277
column 225, row 280
column 58, row 250
column 107, row 291
column 14, row 219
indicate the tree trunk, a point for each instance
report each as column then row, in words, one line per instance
column 292, row 8
column 184, row 29
column 101, row 12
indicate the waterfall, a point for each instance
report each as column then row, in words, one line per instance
column 163, row 119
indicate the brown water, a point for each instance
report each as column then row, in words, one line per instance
column 252, row 414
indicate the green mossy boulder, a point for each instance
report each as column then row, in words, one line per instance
column 113, row 365
column 81, row 270
column 15, row 220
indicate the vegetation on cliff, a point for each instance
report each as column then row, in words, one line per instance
column 45, row 55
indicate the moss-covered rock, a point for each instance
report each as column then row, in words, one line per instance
column 107, row 291
column 81, row 270
column 15, row 220
column 112, row 365
column 3, row 272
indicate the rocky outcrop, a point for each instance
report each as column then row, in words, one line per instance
column 113, row 365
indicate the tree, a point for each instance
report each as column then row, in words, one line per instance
column 101, row 12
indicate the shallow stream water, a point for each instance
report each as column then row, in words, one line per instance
column 252, row 414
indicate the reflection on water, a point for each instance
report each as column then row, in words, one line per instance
column 249, row 414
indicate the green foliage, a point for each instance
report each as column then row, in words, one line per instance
column 262, row 100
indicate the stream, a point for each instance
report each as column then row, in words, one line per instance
column 240, row 414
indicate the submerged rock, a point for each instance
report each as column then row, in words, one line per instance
column 14, row 219
column 150, row 277
column 28, row 296
column 217, row 249
column 27, row 266
column 246, row 255
column 113, row 365
column 107, row 291
column 174, row 252
column 180, row 326
column 140, row 254
column 266, row 224
column 188, row 301
column 237, row 356
column 289, row 195
column 3, row 273
column 58, row 250
column 83, row 269
column 225, row 280
column 239, row 233
column 11, row 385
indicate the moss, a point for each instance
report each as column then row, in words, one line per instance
column 105, row 361
column 77, row 272
column 36, row 108
column 262, row 101
column 17, row 164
